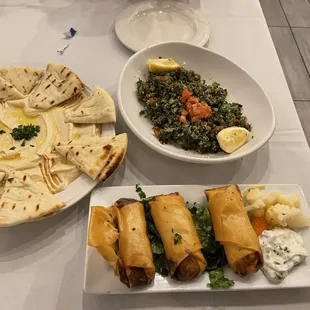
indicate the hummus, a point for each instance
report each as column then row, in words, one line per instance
column 37, row 156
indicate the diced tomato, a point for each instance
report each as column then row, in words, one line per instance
column 185, row 95
column 199, row 111
column 192, row 100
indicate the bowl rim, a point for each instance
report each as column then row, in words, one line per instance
column 184, row 157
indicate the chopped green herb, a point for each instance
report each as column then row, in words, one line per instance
column 24, row 143
column 10, row 180
column 172, row 230
column 160, row 261
column 31, row 145
column 218, row 280
column 25, row 132
column 12, row 148
column 1, row 131
column 177, row 238
column 212, row 250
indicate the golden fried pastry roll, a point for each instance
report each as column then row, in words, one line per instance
column 134, row 245
column 120, row 236
column 233, row 229
column 176, row 227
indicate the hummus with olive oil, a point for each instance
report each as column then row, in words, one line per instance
column 37, row 156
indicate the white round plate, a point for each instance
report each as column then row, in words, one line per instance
column 151, row 22
column 241, row 87
column 80, row 187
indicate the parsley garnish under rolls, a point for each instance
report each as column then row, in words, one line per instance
column 186, row 111
column 211, row 250
column 160, row 262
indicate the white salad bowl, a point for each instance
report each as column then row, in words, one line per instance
column 212, row 67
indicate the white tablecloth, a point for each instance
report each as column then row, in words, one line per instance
column 42, row 264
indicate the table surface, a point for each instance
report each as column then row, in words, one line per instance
column 42, row 263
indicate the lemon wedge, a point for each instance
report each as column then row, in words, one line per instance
column 232, row 138
column 162, row 65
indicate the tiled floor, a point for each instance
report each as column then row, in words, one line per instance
column 289, row 25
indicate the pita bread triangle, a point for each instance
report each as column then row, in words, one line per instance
column 117, row 156
column 23, row 78
column 23, row 199
column 98, row 108
column 8, row 91
column 57, row 85
column 89, row 158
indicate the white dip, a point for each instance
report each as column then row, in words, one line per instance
column 282, row 249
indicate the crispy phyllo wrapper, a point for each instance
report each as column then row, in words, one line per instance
column 119, row 234
column 233, row 229
column 176, row 227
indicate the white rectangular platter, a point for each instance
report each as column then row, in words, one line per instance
column 99, row 277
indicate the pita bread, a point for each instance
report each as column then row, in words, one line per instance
column 57, row 85
column 2, row 176
column 88, row 158
column 23, row 78
column 117, row 156
column 24, row 199
column 8, row 91
column 118, row 153
column 99, row 108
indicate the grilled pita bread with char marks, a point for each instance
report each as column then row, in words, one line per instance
column 90, row 159
column 8, row 91
column 94, row 145
column 98, row 108
column 23, row 199
column 57, row 85
column 23, row 78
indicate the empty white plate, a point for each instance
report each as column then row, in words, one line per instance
column 151, row 22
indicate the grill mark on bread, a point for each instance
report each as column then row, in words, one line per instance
column 117, row 162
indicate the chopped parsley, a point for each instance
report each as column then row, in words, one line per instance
column 177, row 238
column 12, row 148
column 23, row 143
column 218, row 280
column 159, row 257
column 25, row 132
column 184, row 123
column 10, row 180
column 1, row 131
column 212, row 250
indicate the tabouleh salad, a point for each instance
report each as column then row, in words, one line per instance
column 188, row 112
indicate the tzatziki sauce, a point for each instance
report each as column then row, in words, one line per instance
column 283, row 249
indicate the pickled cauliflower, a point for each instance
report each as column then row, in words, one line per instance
column 278, row 209
column 286, row 216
